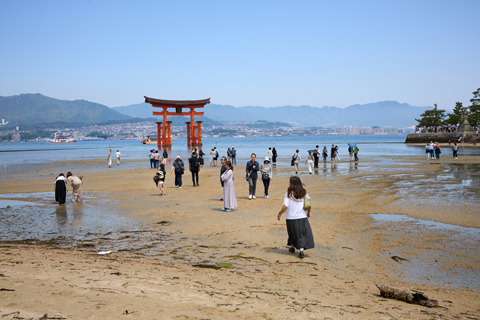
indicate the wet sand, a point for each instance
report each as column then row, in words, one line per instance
column 181, row 257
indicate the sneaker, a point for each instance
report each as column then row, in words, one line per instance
column 179, row 187
column 250, row 197
column 253, row 197
column 73, row 201
column 291, row 250
column 224, row 209
column 301, row 254
column 266, row 197
column 229, row 210
column 198, row 185
column 221, row 199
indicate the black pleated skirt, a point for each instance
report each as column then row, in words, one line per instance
column 300, row 234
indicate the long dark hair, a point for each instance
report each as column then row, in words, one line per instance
column 69, row 174
column 228, row 164
column 296, row 190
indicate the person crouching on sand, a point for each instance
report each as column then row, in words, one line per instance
column 76, row 184
column 60, row 189
column 160, row 178
column 229, row 199
column 300, row 234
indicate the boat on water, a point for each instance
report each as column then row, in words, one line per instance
column 149, row 140
column 62, row 138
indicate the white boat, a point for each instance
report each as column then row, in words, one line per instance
column 62, row 138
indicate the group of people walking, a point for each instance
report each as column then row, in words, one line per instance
column 433, row 150
column 155, row 158
column 61, row 187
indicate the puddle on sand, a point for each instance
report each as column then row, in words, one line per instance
column 438, row 253
column 96, row 224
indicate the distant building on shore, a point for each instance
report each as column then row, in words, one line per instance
column 352, row 130
column 16, row 137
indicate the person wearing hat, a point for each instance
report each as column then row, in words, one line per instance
column 267, row 172
column 179, row 168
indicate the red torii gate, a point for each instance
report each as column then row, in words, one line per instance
column 164, row 132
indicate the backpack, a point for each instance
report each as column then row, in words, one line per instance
column 216, row 154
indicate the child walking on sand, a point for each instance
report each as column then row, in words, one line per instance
column 160, row 179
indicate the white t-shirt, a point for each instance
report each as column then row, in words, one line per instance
column 294, row 208
column 118, row 154
column 270, row 153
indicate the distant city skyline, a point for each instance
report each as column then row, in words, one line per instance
column 249, row 53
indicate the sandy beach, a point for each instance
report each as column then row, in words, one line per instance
column 180, row 257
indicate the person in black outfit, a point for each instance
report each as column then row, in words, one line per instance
column 222, row 170
column 60, row 189
column 315, row 157
column 179, row 168
column 275, row 155
column 200, row 157
column 194, row 165
column 252, row 174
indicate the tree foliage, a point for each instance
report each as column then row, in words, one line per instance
column 431, row 118
column 474, row 117
column 455, row 117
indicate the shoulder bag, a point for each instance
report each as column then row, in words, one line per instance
column 307, row 206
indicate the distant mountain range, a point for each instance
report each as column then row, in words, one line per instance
column 36, row 109
column 27, row 109
column 385, row 113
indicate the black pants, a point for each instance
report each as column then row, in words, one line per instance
column 454, row 153
column 315, row 156
column 356, row 156
column 266, row 184
column 194, row 174
column 178, row 177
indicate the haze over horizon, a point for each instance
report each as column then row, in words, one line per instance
column 242, row 54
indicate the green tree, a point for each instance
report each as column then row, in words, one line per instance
column 474, row 117
column 455, row 117
column 431, row 118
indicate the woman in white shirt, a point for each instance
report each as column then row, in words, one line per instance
column 300, row 234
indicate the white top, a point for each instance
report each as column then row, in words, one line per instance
column 294, row 208
column 61, row 178
column 118, row 154
column 270, row 153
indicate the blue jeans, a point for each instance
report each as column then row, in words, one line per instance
column 325, row 158
column 178, row 177
column 152, row 163
column 234, row 159
column 437, row 155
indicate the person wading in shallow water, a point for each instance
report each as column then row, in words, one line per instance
column 300, row 234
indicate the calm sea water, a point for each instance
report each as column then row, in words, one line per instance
column 371, row 145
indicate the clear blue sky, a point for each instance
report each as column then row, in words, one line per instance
column 263, row 53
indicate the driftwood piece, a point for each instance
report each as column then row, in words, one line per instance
column 407, row 296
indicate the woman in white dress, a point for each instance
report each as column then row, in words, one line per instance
column 229, row 199
column 109, row 158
